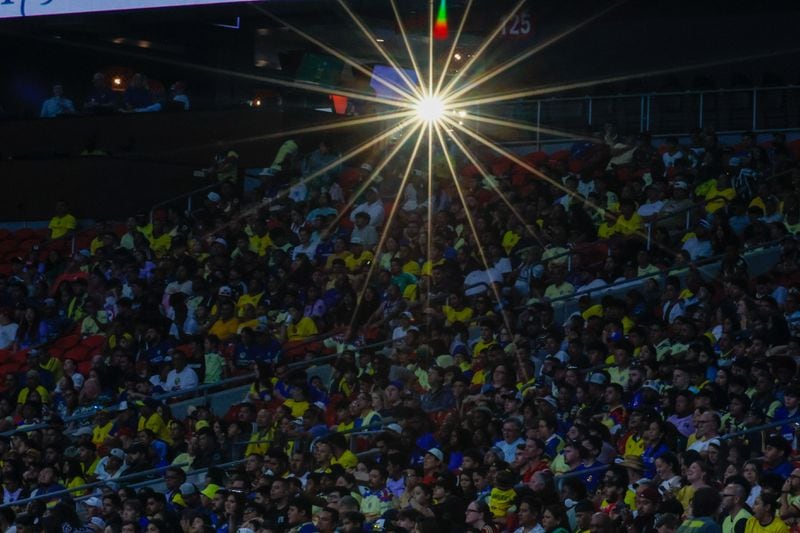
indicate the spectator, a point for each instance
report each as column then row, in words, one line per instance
column 57, row 105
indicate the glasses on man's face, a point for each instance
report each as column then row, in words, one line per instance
column 472, row 510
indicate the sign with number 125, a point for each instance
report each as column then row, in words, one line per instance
column 519, row 26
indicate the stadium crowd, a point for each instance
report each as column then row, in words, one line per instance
column 551, row 355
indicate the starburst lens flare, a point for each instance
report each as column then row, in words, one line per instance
column 430, row 109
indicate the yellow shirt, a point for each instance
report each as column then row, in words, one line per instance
column 100, row 433
column 161, row 244
column 224, row 330
column 260, row 245
column 500, row 501
column 627, row 226
column 303, row 329
column 634, row 446
column 348, row 459
column 453, row 316
column 482, row 345
column 155, row 424
column 96, row 244
column 776, row 526
column 510, row 240
column 352, row 262
column 247, row 299
column 77, row 481
column 427, row 267
column 342, row 255
column 22, row 397
column 412, row 267
column 60, row 226
column 260, row 442
column 717, row 199
column 298, row 408
column 555, row 291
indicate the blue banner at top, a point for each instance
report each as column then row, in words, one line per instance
column 32, row 8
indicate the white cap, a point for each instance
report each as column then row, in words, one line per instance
column 436, row 452
column 94, row 501
column 118, row 453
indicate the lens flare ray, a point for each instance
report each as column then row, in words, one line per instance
column 482, row 169
column 470, row 221
column 388, row 225
column 486, row 43
column 539, row 91
column 338, row 54
column 373, row 174
column 480, row 80
column 453, row 47
column 371, row 38
column 363, row 147
column 407, row 43
column 533, row 170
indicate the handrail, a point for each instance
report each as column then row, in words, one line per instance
column 204, row 387
column 570, row 474
column 687, row 92
column 93, row 484
column 702, row 262
column 189, row 474
column 762, row 427
column 115, row 407
column 325, row 358
column 181, row 197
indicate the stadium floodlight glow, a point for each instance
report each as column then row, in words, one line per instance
column 430, row 109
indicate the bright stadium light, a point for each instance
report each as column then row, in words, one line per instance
column 430, row 109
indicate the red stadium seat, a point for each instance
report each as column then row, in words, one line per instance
column 560, row 155
column 794, row 149
column 501, row 166
column 84, row 367
column 67, row 342
column 95, row 341
column 78, row 353
column 25, row 234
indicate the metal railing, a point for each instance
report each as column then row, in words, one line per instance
column 189, row 197
column 565, row 305
column 758, row 109
column 94, row 484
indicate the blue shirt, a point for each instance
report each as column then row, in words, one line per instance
column 55, row 106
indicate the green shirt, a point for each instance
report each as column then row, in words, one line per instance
column 214, row 364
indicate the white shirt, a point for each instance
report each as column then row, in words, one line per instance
column 310, row 251
column 670, row 159
column 698, row 248
column 374, row 210
column 7, row 335
column 585, row 188
column 185, row 379
column 650, row 209
column 481, row 276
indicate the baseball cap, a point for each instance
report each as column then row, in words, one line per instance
column 210, row 491
column 598, row 379
column 188, row 488
column 214, row 197
column 680, row 185
column 436, row 452
column 118, row 453
column 548, row 399
column 94, row 501
column 397, row 429
column 225, row 291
